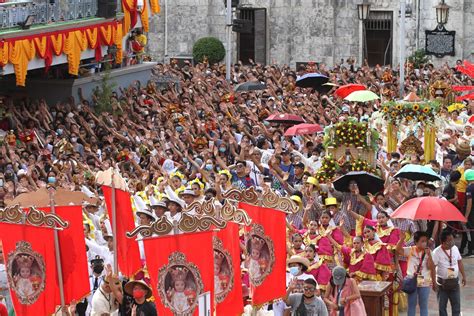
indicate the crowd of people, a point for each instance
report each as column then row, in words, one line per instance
column 195, row 140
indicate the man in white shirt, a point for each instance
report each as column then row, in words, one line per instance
column 448, row 262
column 107, row 298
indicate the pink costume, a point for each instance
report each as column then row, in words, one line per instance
column 309, row 239
column 362, row 264
column 353, row 307
column 381, row 255
column 388, row 234
column 325, row 247
column 321, row 273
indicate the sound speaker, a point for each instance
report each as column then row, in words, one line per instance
column 107, row 8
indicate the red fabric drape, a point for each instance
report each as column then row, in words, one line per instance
column 273, row 223
column 232, row 304
column 127, row 253
column 198, row 252
column 32, row 275
column 73, row 257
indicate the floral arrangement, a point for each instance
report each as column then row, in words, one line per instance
column 329, row 168
column 356, row 134
column 410, row 112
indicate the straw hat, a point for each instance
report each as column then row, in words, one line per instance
column 312, row 180
column 299, row 259
column 463, row 148
column 330, row 201
column 129, row 288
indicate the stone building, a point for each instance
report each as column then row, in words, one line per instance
column 291, row 31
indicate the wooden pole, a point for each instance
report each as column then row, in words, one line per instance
column 51, row 191
column 114, row 224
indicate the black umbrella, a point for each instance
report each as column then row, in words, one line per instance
column 366, row 182
column 315, row 81
column 250, row 86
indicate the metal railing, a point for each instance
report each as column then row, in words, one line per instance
column 13, row 14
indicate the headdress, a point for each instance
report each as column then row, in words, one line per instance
column 177, row 174
column 227, row 173
column 179, row 274
column 257, row 243
column 24, row 261
column 198, row 182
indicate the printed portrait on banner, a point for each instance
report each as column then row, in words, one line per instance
column 180, row 284
column 223, row 271
column 26, row 273
column 260, row 255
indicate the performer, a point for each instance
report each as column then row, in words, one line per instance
column 310, row 236
column 359, row 262
column 379, row 251
column 317, row 268
column 326, row 251
column 387, row 234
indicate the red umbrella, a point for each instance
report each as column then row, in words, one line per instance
column 429, row 208
column 344, row 91
column 471, row 119
column 303, row 129
column 282, row 118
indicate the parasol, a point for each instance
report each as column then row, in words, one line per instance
column 250, row 86
column 315, row 81
column 366, row 182
column 303, row 129
column 345, row 90
column 417, row 172
column 429, row 208
column 362, row 96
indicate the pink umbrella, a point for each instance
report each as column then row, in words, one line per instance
column 282, row 118
column 429, row 208
column 303, row 129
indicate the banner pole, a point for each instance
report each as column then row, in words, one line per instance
column 57, row 251
column 114, row 224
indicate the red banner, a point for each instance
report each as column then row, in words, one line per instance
column 31, row 268
column 128, row 253
column 266, row 248
column 73, row 256
column 227, row 277
column 181, row 269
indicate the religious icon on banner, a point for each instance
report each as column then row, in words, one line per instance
column 223, row 271
column 180, row 284
column 26, row 273
column 261, row 255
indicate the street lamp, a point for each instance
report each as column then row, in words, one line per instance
column 363, row 10
column 442, row 12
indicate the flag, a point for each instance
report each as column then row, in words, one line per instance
column 266, row 248
column 30, row 263
column 181, row 269
column 128, row 254
column 73, row 253
column 227, row 277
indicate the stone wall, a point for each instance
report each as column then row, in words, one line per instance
column 308, row 30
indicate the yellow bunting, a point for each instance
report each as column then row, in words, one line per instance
column 41, row 46
column 155, row 6
column 92, row 37
column 57, row 44
column 144, row 17
column 118, row 42
column 21, row 52
column 76, row 42
column 4, row 54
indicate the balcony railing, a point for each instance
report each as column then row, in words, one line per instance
column 13, row 14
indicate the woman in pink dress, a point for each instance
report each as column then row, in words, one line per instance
column 309, row 237
column 326, row 251
column 360, row 263
column 317, row 267
column 379, row 251
column 342, row 295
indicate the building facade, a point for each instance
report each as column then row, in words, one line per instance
column 292, row 31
